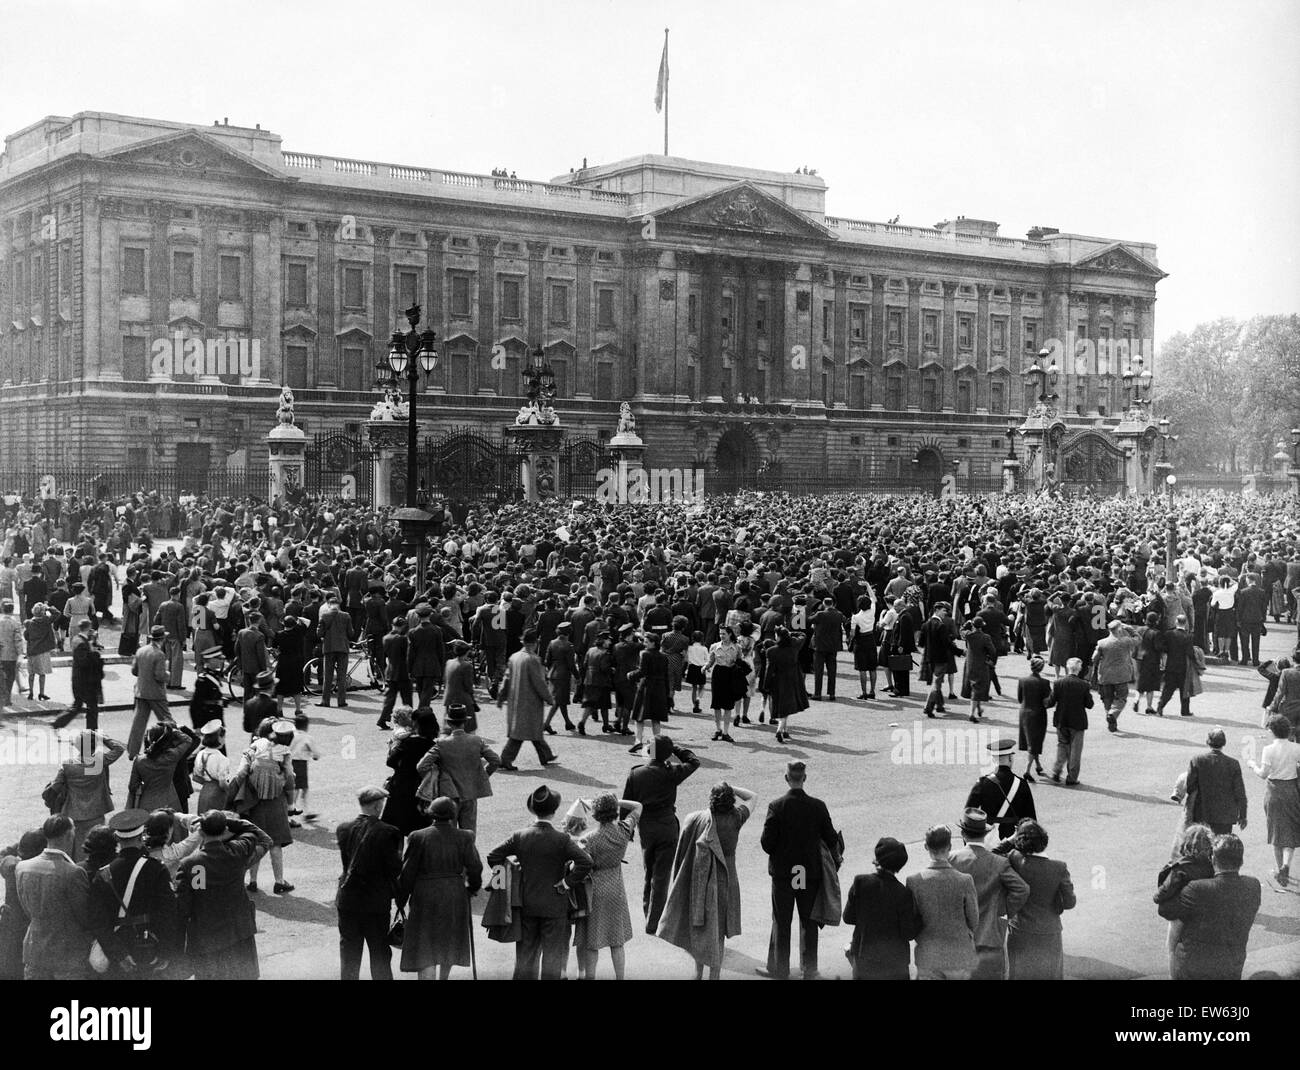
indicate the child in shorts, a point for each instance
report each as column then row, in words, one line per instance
column 301, row 751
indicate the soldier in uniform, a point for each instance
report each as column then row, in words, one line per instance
column 151, row 903
column 1002, row 794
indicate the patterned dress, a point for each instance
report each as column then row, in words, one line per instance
column 608, row 922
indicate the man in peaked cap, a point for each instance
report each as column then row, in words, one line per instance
column 1002, row 795
column 371, row 852
column 544, row 854
column 138, row 887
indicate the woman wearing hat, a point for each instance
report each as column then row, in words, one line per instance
column 441, row 871
column 1032, row 692
column 1147, row 656
column 1060, row 634
column 653, row 699
column 1034, row 935
column 608, row 922
column 212, row 767
column 977, row 669
column 784, row 682
column 597, row 682
column 263, row 784
column 402, row 809
column 153, row 773
column 291, row 647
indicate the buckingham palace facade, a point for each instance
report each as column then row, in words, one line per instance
column 747, row 328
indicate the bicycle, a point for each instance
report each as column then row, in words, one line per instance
column 359, row 658
column 234, row 676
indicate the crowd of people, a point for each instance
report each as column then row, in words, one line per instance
column 620, row 615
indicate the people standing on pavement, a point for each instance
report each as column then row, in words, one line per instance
column 262, row 786
column 884, row 917
column 608, row 923
column 171, row 615
column 13, row 919
column 397, row 676
column 11, row 649
column 949, row 909
column 440, row 873
column 38, row 631
column 458, row 766
column 654, row 785
column 213, row 907
column 150, row 669
column 703, row 905
column 54, row 893
column 1279, row 767
column 525, row 694
column 828, row 639
column 1217, row 915
column 153, row 774
column 1034, row 951
column 402, row 809
column 796, row 830
column 335, row 631
column 131, row 894
column 84, row 780
column 1032, row 692
column 1216, row 793
column 550, row 864
column 1071, row 698
column 371, row 853
column 999, row 890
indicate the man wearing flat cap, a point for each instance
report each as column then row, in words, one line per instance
column 999, row 889
column 371, row 852
column 1003, row 795
column 132, row 905
column 151, row 671
column 884, row 918
column 550, row 864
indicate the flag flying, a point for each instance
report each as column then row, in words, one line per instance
column 661, row 89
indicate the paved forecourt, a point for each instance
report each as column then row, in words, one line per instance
column 881, row 766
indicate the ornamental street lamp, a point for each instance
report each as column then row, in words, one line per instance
column 1042, row 375
column 409, row 354
column 1011, row 432
column 539, row 383
column 1295, row 446
column 1137, row 383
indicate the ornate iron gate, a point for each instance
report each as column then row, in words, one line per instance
column 582, row 460
column 464, row 465
column 1088, row 462
column 339, row 465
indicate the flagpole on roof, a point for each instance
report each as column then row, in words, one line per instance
column 661, row 89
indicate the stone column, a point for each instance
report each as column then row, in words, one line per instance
column 435, row 280
column 484, row 374
column 208, row 267
column 584, row 372
column 160, row 282
column 744, row 329
column 536, row 292
column 265, row 303
column 912, row 352
column 326, row 266
column 779, row 273
column 710, row 341
column 1091, row 390
column 286, row 446
column 386, row 316
column 983, row 293
column 948, row 347
column 1015, row 354
column 840, row 338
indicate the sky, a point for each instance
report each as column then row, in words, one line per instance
column 1167, row 121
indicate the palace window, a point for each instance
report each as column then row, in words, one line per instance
column 511, row 299
column 230, row 284
column 408, row 288
column 354, row 287
column 692, row 312
column 828, row 317
column 858, row 396
column 460, row 298
column 295, row 367
column 930, row 329
column 858, row 322
column 182, row 274
column 134, row 364
column 894, row 326
column 1030, row 328
column 999, row 325
column 930, row 394
column 354, row 374
column 965, row 331
column 760, row 316
column 559, row 304
column 894, row 392
column 605, row 308
column 964, row 395
column 604, row 381
column 728, row 304
column 133, row 272
column 998, row 397
column 295, row 285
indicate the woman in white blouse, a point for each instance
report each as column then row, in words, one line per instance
column 1223, row 601
column 1279, row 766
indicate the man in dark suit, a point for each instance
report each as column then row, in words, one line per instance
column 172, row 616
column 828, row 639
column 550, row 864
column 1176, row 646
column 1217, row 914
column 884, row 918
column 250, row 651
column 54, row 892
column 1216, row 795
column 397, row 677
column 336, row 632
column 219, row 919
column 1251, row 606
column 1071, row 698
column 654, row 785
column 796, row 828
column 425, row 656
column 372, row 859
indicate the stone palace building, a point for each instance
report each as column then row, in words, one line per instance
column 160, row 281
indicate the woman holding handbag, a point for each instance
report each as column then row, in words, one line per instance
column 901, row 645
column 977, row 668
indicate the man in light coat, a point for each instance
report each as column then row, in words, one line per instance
column 11, row 649
column 54, row 892
column 1113, row 661
column 85, row 779
column 151, row 671
column 526, row 695
column 949, row 908
column 1000, row 890
column 462, row 765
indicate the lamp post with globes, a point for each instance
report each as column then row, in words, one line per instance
column 1293, row 473
column 410, row 354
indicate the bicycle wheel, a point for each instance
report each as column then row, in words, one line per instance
column 235, row 684
column 311, row 677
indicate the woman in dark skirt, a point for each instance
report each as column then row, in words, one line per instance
column 597, row 683
column 976, row 669
column 1035, row 617
column 902, row 641
column 440, row 872
column 1148, row 663
column 264, row 783
column 862, row 641
column 1033, row 715
column 727, row 683
column 402, row 810
column 291, row 645
column 653, row 699
column 1034, row 951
